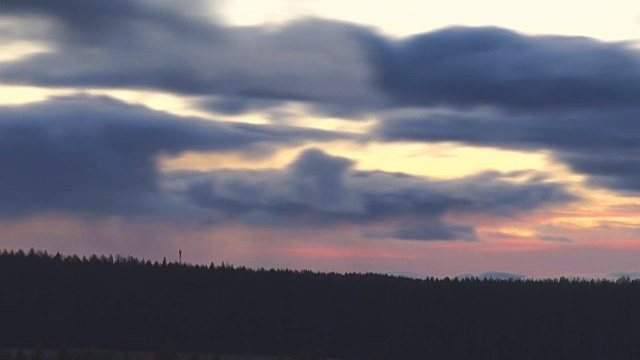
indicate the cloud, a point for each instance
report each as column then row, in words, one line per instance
column 235, row 105
column 99, row 155
column 321, row 190
column 599, row 143
column 336, row 67
column 572, row 95
column 465, row 67
column 99, row 22
column 138, row 44
column 555, row 238
column 429, row 231
column 145, row 44
column 616, row 168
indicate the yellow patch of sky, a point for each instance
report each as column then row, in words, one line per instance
column 161, row 101
column 434, row 160
column 18, row 94
column 443, row 160
column 16, row 50
column 517, row 232
column 585, row 219
column 603, row 19
column 599, row 207
column 166, row 102
column 599, row 213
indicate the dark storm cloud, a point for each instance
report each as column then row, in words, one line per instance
column 99, row 21
column 318, row 190
column 137, row 44
column 433, row 231
column 337, row 67
column 616, row 169
column 99, row 155
column 492, row 66
column 603, row 144
column 574, row 96
column 235, row 105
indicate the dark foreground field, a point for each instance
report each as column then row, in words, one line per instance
column 164, row 353
column 127, row 304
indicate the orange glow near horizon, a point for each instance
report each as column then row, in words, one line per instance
column 341, row 249
column 324, row 252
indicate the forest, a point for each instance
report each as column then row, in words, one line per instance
column 127, row 304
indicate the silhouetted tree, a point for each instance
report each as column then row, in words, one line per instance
column 38, row 352
column 20, row 355
column 167, row 352
column 136, row 305
column 63, row 354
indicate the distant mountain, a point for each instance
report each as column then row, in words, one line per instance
column 498, row 275
column 466, row 276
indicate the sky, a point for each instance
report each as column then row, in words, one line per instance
column 397, row 137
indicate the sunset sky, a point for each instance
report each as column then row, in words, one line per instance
column 371, row 136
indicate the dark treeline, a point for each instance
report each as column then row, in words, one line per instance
column 130, row 304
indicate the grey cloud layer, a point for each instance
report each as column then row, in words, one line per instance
column 603, row 144
column 491, row 66
column 342, row 67
column 137, row 45
column 140, row 44
column 100, row 155
column 574, row 96
column 110, row 22
column 318, row 189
